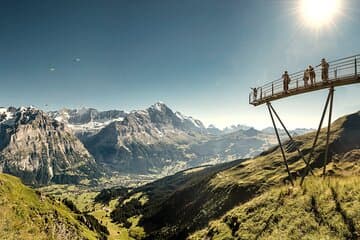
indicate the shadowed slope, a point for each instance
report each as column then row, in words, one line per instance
column 183, row 203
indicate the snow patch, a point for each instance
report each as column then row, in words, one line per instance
column 180, row 116
column 194, row 121
column 158, row 106
column 6, row 116
column 93, row 126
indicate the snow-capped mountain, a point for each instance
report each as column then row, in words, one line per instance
column 234, row 128
column 46, row 148
column 87, row 121
column 146, row 139
column 211, row 129
column 6, row 113
column 41, row 150
column 294, row 132
column 160, row 115
column 159, row 138
column 86, row 115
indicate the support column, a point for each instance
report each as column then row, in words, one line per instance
column 315, row 140
column 356, row 73
column 280, row 145
column 328, row 131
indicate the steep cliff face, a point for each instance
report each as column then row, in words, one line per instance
column 158, row 139
column 145, row 140
column 41, row 150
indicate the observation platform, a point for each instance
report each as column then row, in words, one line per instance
column 342, row 71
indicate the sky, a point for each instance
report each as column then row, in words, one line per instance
column 200, row 57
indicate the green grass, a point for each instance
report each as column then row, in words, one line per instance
column 187, row 201
column 116, row 231
column 139, row 196
column 84, row 200
column 321, row 209
column 25, row 214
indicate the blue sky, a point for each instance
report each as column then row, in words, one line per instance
column 199, row 57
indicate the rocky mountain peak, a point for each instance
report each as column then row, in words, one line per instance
column 40, row 149
column 159, row 106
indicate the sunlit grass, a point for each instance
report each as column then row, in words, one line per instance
column 25, row 214
column 321, row 209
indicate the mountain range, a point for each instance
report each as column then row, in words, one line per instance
column 158, row 139
column 70, row 145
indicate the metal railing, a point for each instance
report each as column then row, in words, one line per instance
column 338, row 69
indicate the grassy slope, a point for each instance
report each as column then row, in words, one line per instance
column 85, row 202
column 84, row 199
column 319, row 210
column 184, row 203
column 180, row 204
column 24, row 214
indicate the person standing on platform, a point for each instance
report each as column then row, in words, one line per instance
column 254, row 93
column 306, row 77
column 312, row 75
column 286, row 81
column 324, row 70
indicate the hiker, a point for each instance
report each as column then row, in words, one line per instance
column 312, row 75
column 254, row 93
column 306, row 77
column 324, row 70
column 286, row 81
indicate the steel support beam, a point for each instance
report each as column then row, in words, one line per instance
column 356, row 73
column 328, row 131
column 280, row 144
column 290, row 137
column 307, row 168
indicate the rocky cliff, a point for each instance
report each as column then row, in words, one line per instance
column 41, row 150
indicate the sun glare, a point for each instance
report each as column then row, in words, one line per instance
column 319, row 13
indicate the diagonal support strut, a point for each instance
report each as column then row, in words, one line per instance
column 290, row 137
column 280, row 144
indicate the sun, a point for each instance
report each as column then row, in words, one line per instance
column 319, row 13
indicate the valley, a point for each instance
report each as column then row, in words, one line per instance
column 242, row 199
column 206, row 201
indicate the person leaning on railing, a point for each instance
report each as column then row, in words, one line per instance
column 312, row 75
column 324, row 70
column 254, row 93
column 306, row 77
column 286, row 81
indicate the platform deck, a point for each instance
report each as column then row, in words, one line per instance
column 300, row 90
column 341, row 72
